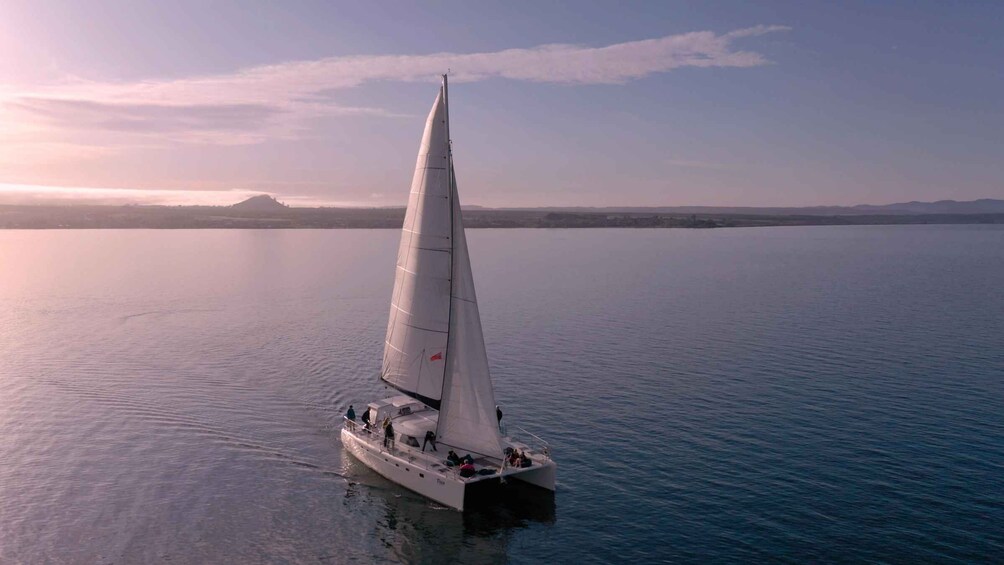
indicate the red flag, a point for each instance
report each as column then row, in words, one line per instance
column 436, row 357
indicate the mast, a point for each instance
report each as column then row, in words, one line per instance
column 446, row 104
column 453, row 239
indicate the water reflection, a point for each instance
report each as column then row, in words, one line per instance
column 414, row 529
column 517, row 505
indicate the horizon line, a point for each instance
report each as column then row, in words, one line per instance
column 38, row 195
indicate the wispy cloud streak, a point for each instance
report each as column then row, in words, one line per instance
column 253, row 104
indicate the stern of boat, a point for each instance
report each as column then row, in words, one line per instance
column 542, row 475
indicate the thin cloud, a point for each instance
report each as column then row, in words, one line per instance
column 695, row 164
column 24, row 194
column 250, row 105
column 151, row 119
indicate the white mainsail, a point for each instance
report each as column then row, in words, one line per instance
column 415, row 348
column 435, row 349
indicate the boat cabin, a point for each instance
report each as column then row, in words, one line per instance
column 393, row 407
column 411, row 419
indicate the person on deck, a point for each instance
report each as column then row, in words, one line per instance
column 366, row 418
column 351, row 416
column 467, row 470
column 430, row 437
column 524, row 459
column 388, row 435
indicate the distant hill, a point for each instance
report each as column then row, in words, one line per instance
column 982, row 206
column 260, row 203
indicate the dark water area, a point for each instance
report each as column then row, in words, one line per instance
column 774, row 394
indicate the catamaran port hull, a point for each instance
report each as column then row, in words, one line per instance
column 396, row 468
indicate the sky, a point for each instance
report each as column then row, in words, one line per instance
column 552, row 103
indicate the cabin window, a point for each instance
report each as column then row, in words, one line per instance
column 410, row 440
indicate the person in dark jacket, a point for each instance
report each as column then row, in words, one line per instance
column 366, row 418
column 388, row 435
column 430, row 437
column 351, row 417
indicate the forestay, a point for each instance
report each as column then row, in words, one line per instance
column 467, row 417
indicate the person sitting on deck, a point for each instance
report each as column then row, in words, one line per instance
column 452, row 459
column 430, row 437
column 467, row 470
column 524, row 460
column 366, row 419
column 513, row 457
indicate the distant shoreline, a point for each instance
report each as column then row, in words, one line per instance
column 218, row 217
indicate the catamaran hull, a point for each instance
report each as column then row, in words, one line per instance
column 543, row 476
column 443, row 489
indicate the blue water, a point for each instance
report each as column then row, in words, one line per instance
column 781, row 394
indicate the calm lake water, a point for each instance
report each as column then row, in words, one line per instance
column 782, row 394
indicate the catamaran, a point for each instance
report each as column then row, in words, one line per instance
column 442, row 436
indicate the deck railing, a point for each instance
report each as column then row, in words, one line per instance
column 535, row 442
column 374, row 436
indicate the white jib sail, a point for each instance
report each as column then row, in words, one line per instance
column 467, row 415
column 415, row 348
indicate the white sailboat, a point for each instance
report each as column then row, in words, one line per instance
column 434, row 354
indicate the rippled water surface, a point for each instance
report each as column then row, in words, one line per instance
column 789, row 394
